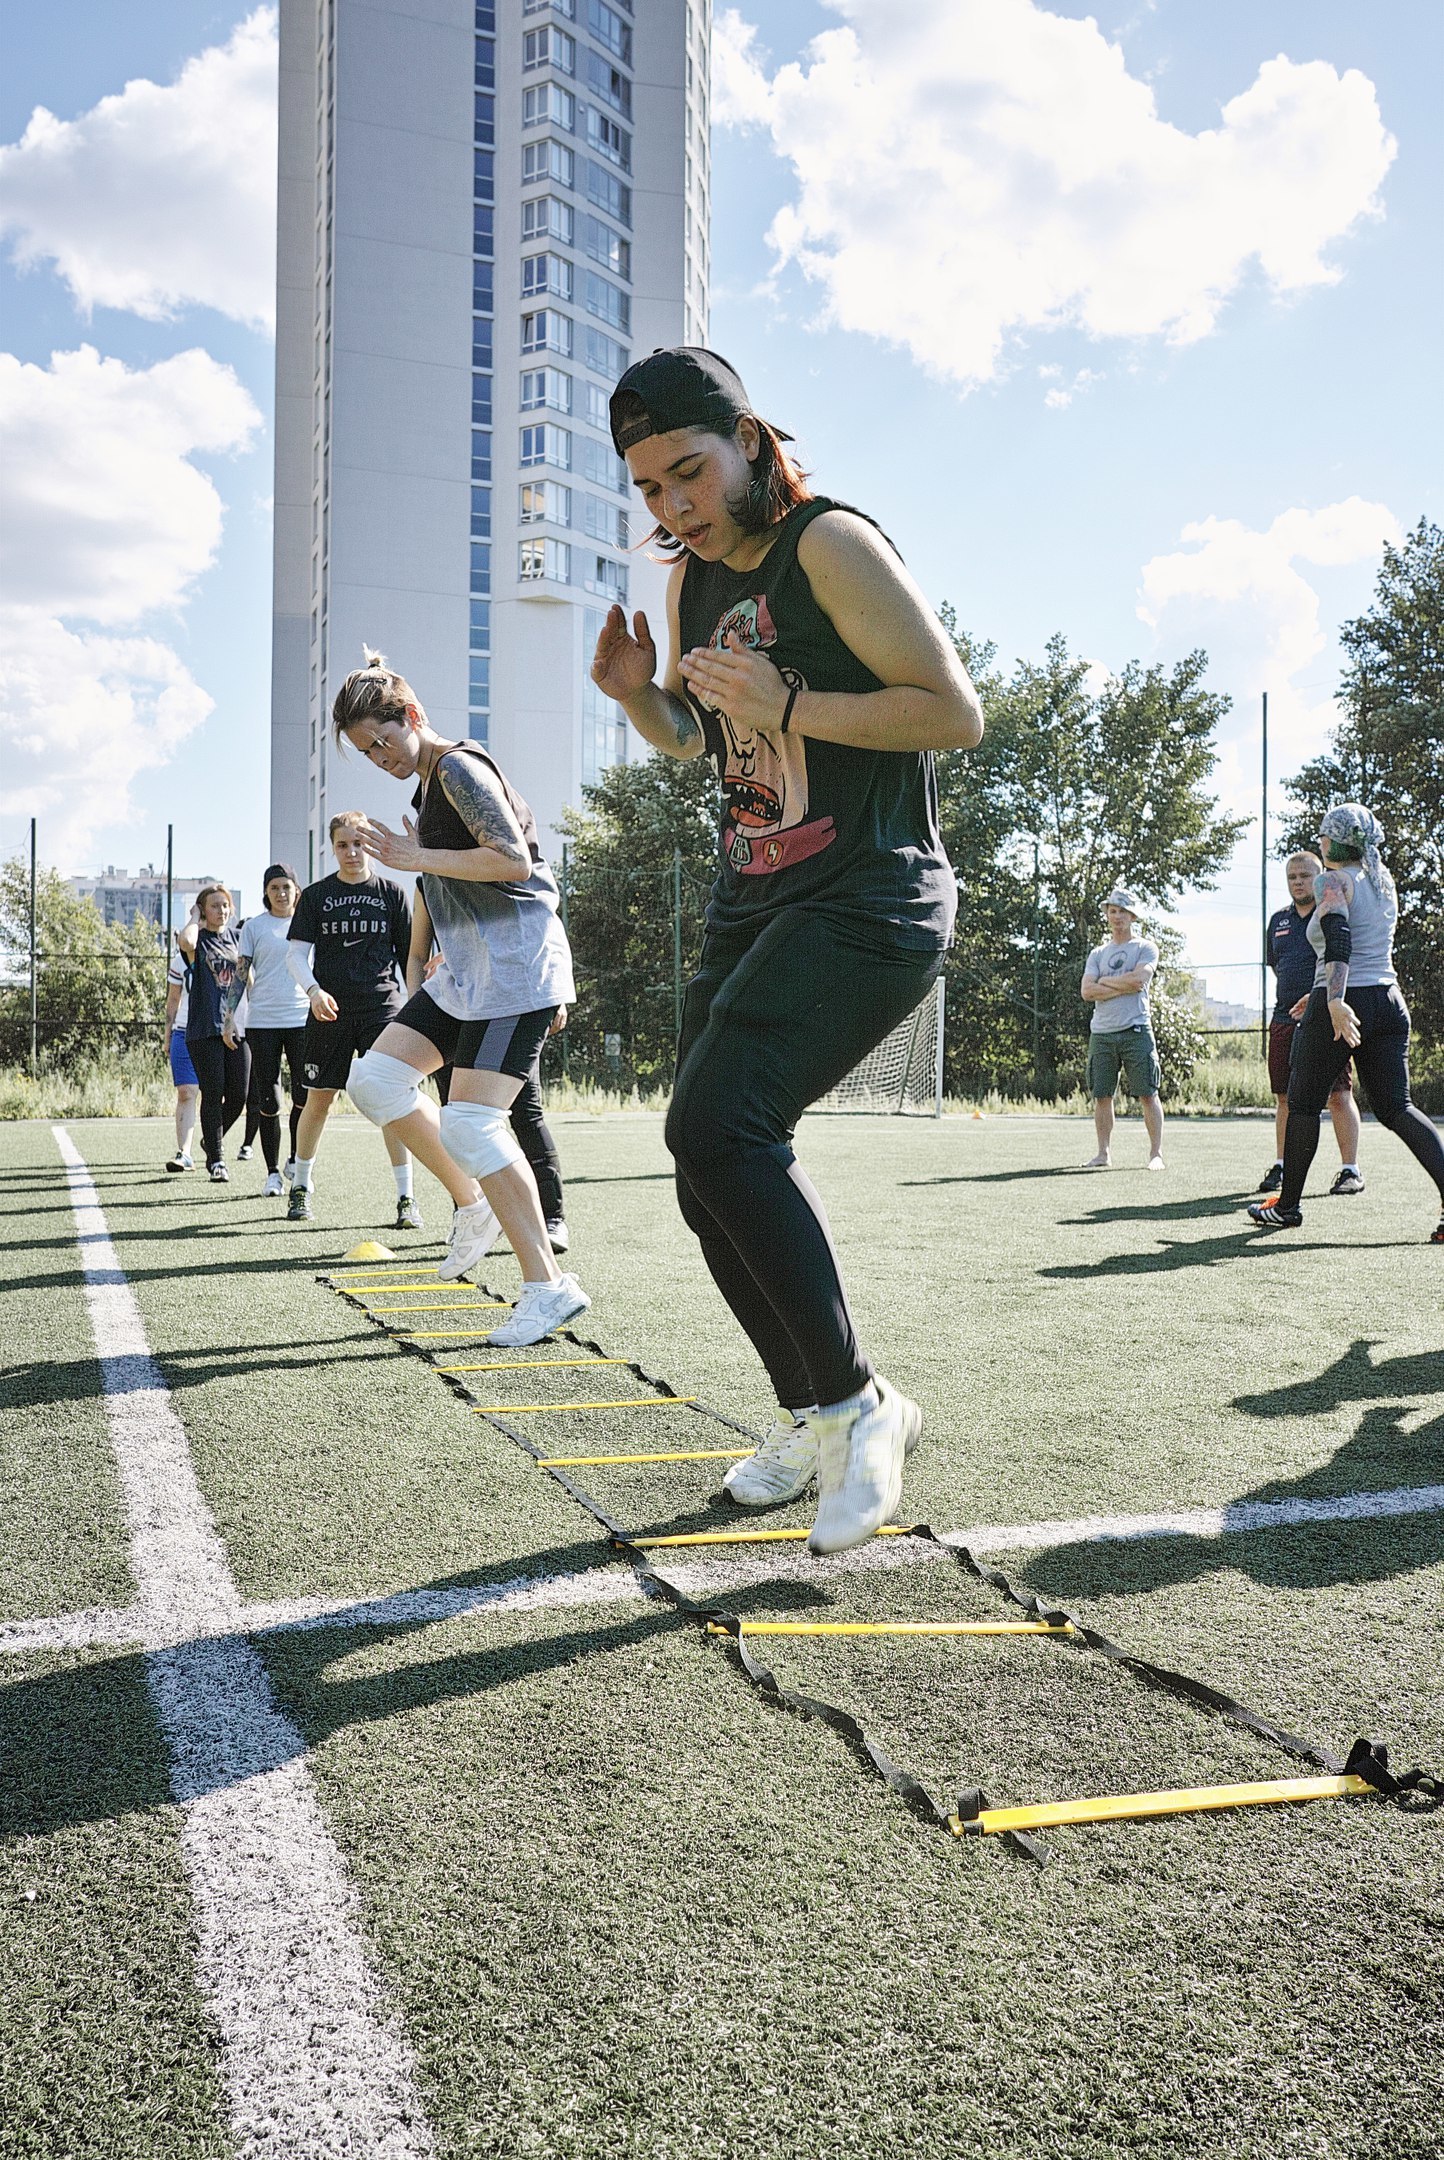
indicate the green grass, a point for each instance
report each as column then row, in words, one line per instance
column 626, row 1907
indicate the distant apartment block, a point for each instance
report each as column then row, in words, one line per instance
column 123, row 898
column 485, row 212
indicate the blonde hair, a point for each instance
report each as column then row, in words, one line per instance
column 345, row 817
column 208, row 892
column 1304, row 855
column 374, row 692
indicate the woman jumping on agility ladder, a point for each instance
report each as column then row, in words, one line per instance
column 1356, row 1009
column 505, row 968
column 807, row 666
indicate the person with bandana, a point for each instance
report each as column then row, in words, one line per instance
column 806, row 665
column 1356, row 1009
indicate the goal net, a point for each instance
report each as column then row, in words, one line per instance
column 904, row 1072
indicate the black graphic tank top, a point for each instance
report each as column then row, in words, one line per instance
column 821, row 824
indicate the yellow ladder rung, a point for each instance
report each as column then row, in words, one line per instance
column 421, row 1282
column 709, row 1454
column 440, row 1334
column 895, row 1627
column 531, row 1409
column 461, row 1305
column 530, row 1364
column 751, row 1537
column 1186, row 1800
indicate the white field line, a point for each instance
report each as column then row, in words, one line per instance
column 615, row 1585
column 315, row 2064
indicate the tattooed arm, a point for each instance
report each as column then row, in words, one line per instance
column 500, row 857
column 1336, row 890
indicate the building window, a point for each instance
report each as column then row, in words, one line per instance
column 548, row 105
column 481, row 513
column 479, row 684
column 610, row 139
column 548, row 160
column 546, row 274
column 483, row 182
column 608, row 29
column 481, row 454
column 606, row 247
column 598, row 407
column 556, row 7
column 483, row 221
column 547, row 331
column 547, row 217
column 607, row 81
column 546, row 386
column 607, row 301
column 544, row 559
column 604, row 521
column 609, row 193
column 604, row 354
column 545, row 502
column 547, row 446
column 481, row 624
column 480, row 566
column 601, row 465
column 607, row 578
column 549, row 48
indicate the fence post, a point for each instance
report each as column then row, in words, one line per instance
column 565, row 882
column 34, row 986
column 1037, row 896
column 677, row 943
column 1263, row 879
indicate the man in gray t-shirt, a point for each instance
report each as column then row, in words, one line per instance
column 1120, row 1039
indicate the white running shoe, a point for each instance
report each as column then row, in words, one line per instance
column 539, row 1311
column 558, row 1235
column 860, row 1470
column 288, row 1169
column 272, row 1189
column 473, row 1233
column 782, row 1468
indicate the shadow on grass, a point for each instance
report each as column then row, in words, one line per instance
column 996, row 1177
column 54, row 1380
column 1243, row 1244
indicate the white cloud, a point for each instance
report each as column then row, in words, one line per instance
column 163, row 195
column 105, row 520
column 104, row 515
column 970, row 170
column 80, row 716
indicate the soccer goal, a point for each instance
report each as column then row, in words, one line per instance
column 905, row 1072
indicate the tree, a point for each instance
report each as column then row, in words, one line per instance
column 1388, row 752
column 99, row 985
column 619, row 880
column 1105, row 783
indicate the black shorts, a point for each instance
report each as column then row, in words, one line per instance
column 511, row 1045
column 331, row 1044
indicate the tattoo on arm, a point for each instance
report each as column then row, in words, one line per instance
column 684, row 721
column 232, row 997
column 1336, row 979
column 481, row 806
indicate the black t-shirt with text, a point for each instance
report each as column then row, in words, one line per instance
column 361, row 935
column 1291, row 957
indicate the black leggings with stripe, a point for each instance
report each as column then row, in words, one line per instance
column 1381, row 1061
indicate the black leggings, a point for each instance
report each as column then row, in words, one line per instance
column 1381, row 1061
column 224, row 1076
column 268, row 1047
column 528, row 1122
column 774, row 1018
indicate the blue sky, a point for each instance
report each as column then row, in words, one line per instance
column 1118, row 335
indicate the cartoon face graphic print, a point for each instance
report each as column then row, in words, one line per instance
column 764, row 776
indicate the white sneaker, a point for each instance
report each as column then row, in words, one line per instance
column 782, row 1468
column 860, row 1469
column 473, row 1232
column 272, row 1189
column 539, row 1311
column 288, row 1169
column 558, row 1235
column 1155, row 1162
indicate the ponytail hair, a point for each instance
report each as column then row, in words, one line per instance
column 373, row 692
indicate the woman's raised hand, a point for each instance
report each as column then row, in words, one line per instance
column 625, row 660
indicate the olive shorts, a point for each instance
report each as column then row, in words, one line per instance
column 1129, row 1051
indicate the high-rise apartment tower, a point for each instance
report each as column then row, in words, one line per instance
column 485, row 212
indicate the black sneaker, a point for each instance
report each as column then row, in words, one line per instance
column 1269, row 1216
column 408, row 1214
column 218, row 1173
column 298, row 1207
column 1274, row 1181
column 1347, row 1181
column 558, row 1235
column 244, row 1152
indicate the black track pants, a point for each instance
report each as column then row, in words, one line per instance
column 774, row 1018
column 1381, row 1061
column 528, row 1122
column 224, row 1076
column 268, row 1047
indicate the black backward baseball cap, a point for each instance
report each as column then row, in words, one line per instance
column 677, row 386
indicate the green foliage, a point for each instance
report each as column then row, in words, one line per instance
column 1111, row 783
column 620, row 891
column 99, row 984
column 1388, row 752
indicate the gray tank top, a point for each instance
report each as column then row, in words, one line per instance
column 1371, row 928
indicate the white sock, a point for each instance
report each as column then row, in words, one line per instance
column 401, row 1171
column 1278, row 1162
column 1351, row 1166
column 851, row 1406
column 305, row 1164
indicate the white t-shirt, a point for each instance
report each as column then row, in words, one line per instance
column 178, row 974
column 1111, row 1014
column 274, row 998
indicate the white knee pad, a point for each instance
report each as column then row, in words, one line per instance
column 383, row 1088
column 478, row 1138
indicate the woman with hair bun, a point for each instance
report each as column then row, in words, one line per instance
column 1355, row 1010
column 276, row 1027
column 223, row 1067
column 805, row 663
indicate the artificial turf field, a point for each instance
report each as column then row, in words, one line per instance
column 621, row 1904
